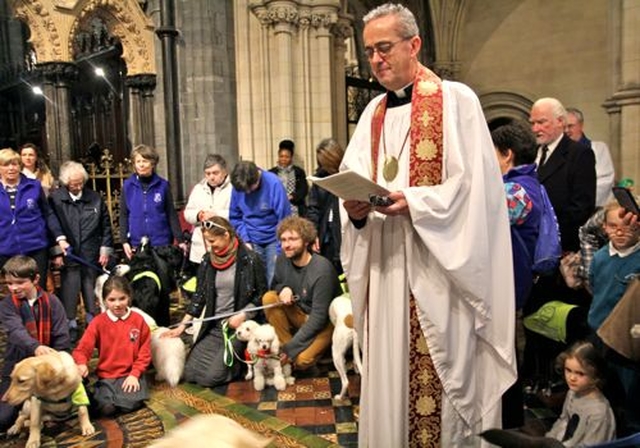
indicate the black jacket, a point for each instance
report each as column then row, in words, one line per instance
column 85, row 222
column 249, row 286
column 569, row 176
column 324, row 212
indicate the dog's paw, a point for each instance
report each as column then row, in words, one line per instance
column 339, row 397
column 88, row 429
column 33, row 441
column 15, row 429
column 290, row 380
column 279, row 383
column 248, row 376
column 258, row 383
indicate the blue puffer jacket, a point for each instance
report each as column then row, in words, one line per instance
column 147, row 211
column 24, row 229
column 523, row 245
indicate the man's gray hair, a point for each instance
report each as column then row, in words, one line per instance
column 576, row 113
column 215, row 159
column 70, row 168
column 406, row 19
column 557, row 109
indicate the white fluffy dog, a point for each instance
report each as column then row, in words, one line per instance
column 243, row 333
column 168, row 355
column 206, row 430
column 344, row 336
column 264, row 350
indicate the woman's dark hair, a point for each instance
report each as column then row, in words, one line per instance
column 589, row 358
column 220, row 227
column 117, row 283
column 519, row 138
column 245, row 175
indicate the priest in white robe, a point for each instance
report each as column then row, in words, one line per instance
column 431, row 275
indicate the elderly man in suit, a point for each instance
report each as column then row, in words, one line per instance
column 565, row 168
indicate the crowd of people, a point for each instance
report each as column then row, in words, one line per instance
column 442, row 278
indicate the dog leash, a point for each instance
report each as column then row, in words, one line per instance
column 229, row 352
column 69, row 254
column 229, row 314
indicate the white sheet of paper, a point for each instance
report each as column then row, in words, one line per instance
column 349, row 185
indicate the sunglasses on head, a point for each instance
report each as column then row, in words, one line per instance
column 211, row 225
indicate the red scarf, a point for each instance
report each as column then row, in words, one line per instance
column 425, row 147
column 224, row 258
column 40, row 328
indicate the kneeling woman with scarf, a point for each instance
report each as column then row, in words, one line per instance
column 231, row 278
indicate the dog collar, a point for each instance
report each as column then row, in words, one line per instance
column 150, row 274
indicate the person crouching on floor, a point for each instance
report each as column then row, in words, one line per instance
column 305, row 282
column 35, row 323
column 123, row 340
column 231, row 278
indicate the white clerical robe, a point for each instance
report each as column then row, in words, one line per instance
column 454, row 254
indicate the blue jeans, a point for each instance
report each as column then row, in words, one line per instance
column 268, row 253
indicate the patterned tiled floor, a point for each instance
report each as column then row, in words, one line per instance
column 308, row 404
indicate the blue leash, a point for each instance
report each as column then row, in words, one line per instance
column 69, row 254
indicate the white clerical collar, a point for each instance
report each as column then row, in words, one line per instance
column 401, row 93
column 625, row 252
column 115, row 318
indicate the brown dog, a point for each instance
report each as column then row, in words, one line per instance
column 44, row 385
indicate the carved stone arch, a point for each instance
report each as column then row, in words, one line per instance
column 126, row 21
column 45, row 36
column 505, row 105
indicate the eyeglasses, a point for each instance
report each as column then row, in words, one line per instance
column 212, row 225
column 382, row 48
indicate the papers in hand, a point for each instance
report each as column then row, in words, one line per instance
column 349, row 185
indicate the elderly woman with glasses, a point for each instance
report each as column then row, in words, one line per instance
column 26, row 220
column 231, row 279
column 85, row 219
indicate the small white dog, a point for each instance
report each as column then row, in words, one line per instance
column 168, row 355
column 206, row 430
column 243, row 333
column 344, row 336
column 264, row 350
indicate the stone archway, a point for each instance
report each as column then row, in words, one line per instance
column 53, row 26
column 126, row 21
column 505, row 105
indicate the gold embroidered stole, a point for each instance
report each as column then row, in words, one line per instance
column 425, row 168
column 425, row 150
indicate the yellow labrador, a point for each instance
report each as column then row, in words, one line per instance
column 44, row 385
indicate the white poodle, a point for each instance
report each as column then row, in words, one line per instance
column 264, row 350
column 243, row 333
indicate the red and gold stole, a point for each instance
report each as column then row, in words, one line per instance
column 425, row 168
column 425, row 144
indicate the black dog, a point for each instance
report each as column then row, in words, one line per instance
column 152, row 278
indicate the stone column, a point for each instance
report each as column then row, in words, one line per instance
column 624, row 105
column 57, row 77
column 141, row 88
column 168, row 33
column 341, row 30
column 292, row 75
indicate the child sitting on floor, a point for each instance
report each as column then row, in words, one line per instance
column 586, row 418
column 35, row 322
column 123, row 340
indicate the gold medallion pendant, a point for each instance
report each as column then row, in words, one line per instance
column 390, row 168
